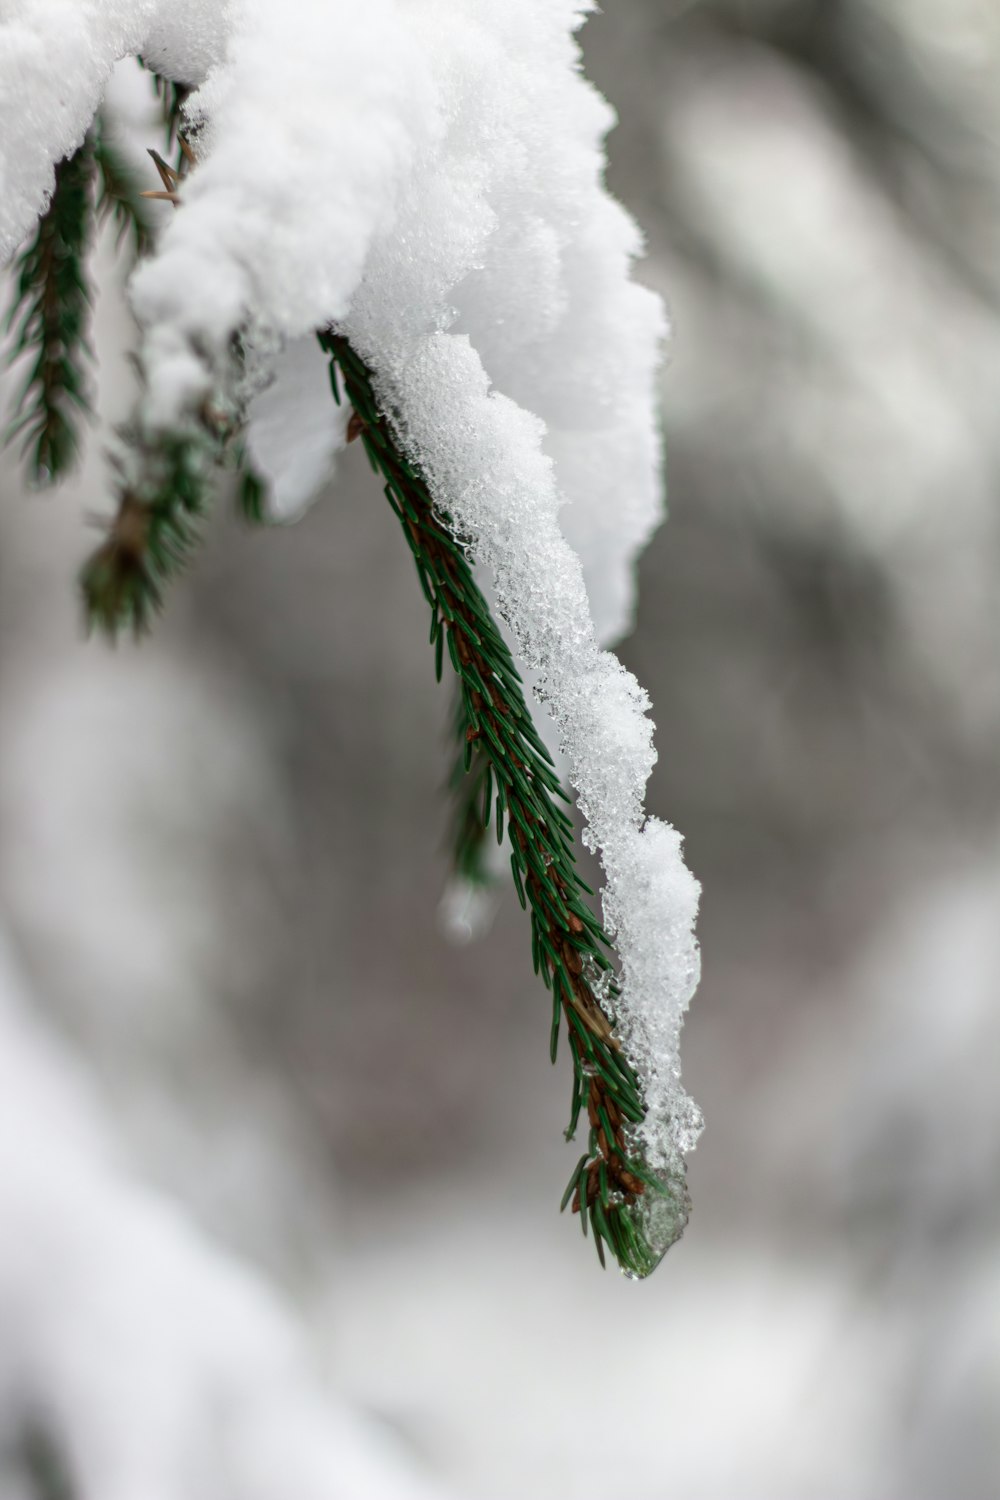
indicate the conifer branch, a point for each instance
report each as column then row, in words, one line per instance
column 611, row 1185
column 153, row 532
column 51, row 316
column 119, row 195
column 166, row 488
column 167, row 477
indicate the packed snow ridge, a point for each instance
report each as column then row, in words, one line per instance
column 426, row 174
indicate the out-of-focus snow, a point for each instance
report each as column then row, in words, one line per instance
column 157, row 1364
column 294, row 428
column 55, row 59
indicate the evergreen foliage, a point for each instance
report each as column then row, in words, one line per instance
column 50, row 320
column 119, row 195
column 153, row 532
column 50, row 316
column 503, row 778
column 166, row 478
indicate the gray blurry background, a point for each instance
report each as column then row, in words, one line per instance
column 221, row 856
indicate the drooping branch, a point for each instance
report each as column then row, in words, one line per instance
column 166, row 477
column 519, row 785
column 50, row 319
column 50, row 316
column 119, row 193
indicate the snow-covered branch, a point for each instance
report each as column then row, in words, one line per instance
column 426, row 178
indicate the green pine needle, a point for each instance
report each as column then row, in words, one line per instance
column 157, row 524
column 251, row 490
column 51, row 318
column 51, row 312
column 471, row 786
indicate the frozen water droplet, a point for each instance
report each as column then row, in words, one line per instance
column 661, row 1217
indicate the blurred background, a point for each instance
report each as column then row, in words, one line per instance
column 222, row 855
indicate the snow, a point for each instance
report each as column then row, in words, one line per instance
column 56, row 57
column 444, row 207
column 517, row 101
column 297, row 177
column 188, row 38
column 112, row 1303
column 294, row 429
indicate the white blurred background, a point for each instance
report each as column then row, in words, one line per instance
column 221, row 857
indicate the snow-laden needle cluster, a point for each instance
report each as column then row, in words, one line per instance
column 424, row 177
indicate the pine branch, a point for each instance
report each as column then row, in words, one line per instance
column 611, row 1187
column 52, row 307
column 119, row 194
column 167, row 477
column 167, row 481
column 51, row 316
column 153, row 531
